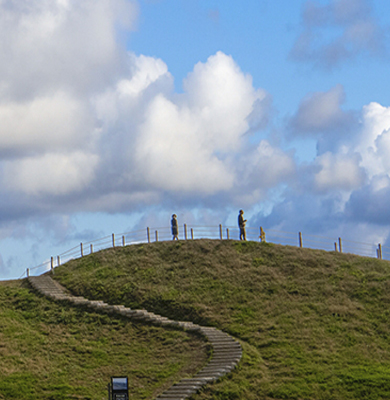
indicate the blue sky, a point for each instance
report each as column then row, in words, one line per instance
column 114, row 114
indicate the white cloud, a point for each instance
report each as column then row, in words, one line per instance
column 373, row 142
column 127, row 98
column 382, row 143
column 146, row 71
column 338, row 171
column 223, row 97
column 336, row 31
column 187, row 145
column 75, row 105
column 87, row 120
column 349, row 180
column 57, row 55
column 262, row 168
column 321, row 111
column 266, row 167
column 50, row 44
column 173, row 155
column 272, row 164
column 370, row 203
column 57, row 121
column 51, row 174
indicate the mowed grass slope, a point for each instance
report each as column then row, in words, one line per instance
column 53, row 351
column 313, row 324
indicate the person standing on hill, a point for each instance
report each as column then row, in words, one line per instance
column 241, row 225
column 174, row 227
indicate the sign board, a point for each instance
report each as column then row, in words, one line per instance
column 119, row 389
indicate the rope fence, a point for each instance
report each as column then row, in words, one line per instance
column 220, row 232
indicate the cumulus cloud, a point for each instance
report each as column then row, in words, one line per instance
column 186, row 145
column 338, row 171
column 370, row 204
column 172, row 154
column 53, row 174
column 360, row 138
column 345, row 189
column 60, row 43
column 56, row 55
column 224, row 98
column 373, row 141
column 43, row 123
column 337, row 31
column 304, row 211
column 87, row 125
column 321, row 112
column 321, row 116
column 263, row 168
column 145, row 72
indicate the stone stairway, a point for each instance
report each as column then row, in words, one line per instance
column 226, row 355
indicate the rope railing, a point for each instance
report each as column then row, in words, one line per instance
column 319, row 242
column 192, row 232
column 282, row 237
column 360, row 248
column 385, row 252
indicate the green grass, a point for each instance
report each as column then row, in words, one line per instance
column 313, row 324
column 53, row 351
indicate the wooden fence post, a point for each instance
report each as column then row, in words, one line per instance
column 300, row 240
column 123, row 241
column 52, row 264
column 156, row 235
column 91, row 248
column 185, row 231
column 340, row 246
column 148, row 234
column 380, row 251
column 192, row 234
column 58, row 261
column 220, row 231
column 81, row 249
column 335, row 247
column 28, row 272
column 227, row 233
column 113, row 240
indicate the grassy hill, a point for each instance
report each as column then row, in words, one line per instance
column 52, row 351
column 313, row 324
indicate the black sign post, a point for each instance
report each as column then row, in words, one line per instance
column 118, row 388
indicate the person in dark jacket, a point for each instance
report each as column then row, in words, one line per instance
column 174, row 227
column 241, row 225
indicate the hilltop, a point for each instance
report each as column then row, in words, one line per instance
column 313, row 324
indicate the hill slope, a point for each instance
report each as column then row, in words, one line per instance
column 53, row 351
column 313, row 324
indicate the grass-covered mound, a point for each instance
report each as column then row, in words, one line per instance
column 52, row 351
column 313, row 324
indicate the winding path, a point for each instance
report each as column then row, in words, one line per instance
column 227, row 352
